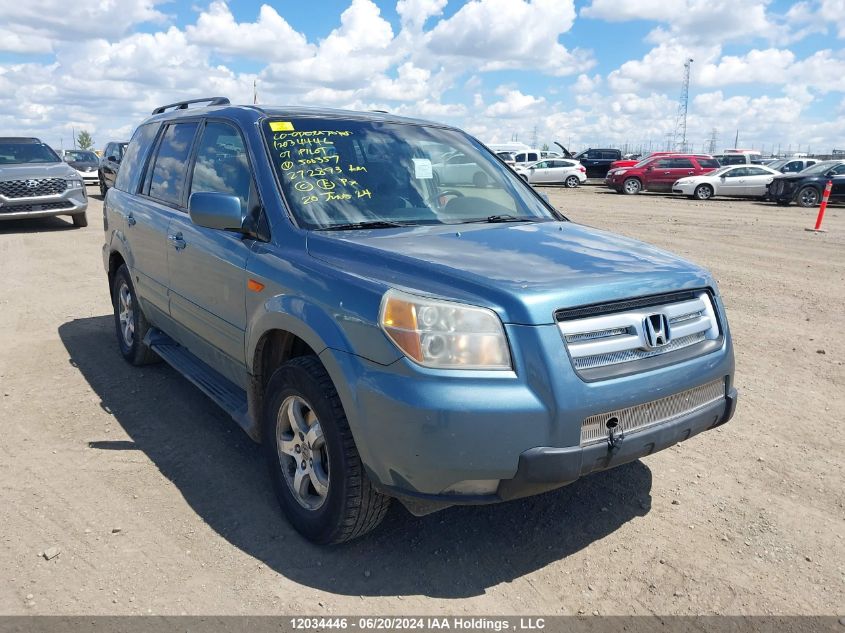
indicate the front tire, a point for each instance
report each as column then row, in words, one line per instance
column 317, row 474
column 103, row 188
column 80, row 220
column 703, row 192
column 572, row 182
column 808, row 197
column 130, row 324
column 631, row 186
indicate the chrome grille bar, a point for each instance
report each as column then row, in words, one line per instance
column 642, row 416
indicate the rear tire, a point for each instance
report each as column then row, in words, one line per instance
column 632, row 186
column 572, row 182
column 326, row 496
column 479, row 179
column 703, row 192
column 80, row 220
column 130, row 324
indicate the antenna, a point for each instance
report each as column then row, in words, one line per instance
column 683, row 103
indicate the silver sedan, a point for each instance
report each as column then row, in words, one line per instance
column 733, row 180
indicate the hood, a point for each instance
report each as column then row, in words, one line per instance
column 84, row 165
column 37, row 170
column 523, row 271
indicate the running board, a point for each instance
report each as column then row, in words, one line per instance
column 226, row 394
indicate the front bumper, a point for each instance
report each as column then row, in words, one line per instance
column 69, row 202
column 428, row 436
column 90, row 177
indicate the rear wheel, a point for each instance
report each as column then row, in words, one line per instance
column 808, row 197
column 80, row 220
column 314, row 464
column 130, row 324
column 631, row 186
column 572, row 182
column 703, row 192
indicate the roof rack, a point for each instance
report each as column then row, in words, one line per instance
column 183, row 105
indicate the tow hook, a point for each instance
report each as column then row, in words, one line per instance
column 614, row 439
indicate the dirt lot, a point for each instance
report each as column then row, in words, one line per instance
column 159, row 504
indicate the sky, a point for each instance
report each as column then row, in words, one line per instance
column 586, row 73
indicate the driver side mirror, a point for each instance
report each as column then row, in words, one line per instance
column 216, row 211
column 113, row 159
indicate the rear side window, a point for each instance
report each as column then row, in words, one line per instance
column 170, row 167
column 681, row 163
column 708, row 163
column 134, row 158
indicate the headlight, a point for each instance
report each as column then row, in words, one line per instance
column 74, row 183
column 444, row 334
column 619, row 172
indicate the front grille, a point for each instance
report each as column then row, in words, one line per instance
column 45, row 206
column 617, row 334
column 32, row 188
column 642, row 416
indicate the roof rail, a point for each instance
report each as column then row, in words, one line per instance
column 183, row 105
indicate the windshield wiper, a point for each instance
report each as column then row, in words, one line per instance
column 372, row 224
column 505, row 217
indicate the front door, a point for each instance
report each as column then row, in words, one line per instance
column 208, row 266
column 837, row 192
column 733, row 182
column 668, row 170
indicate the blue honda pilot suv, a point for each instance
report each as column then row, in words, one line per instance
column 393, row 313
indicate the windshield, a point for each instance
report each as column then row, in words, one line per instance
column 18, row 153
column 820, row 168
column 80, row 156
column 339, row 172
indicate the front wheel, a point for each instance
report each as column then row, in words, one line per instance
column 631, row 186
column 703, row 192
column 572, row 182
column 80, row 220
column 103, row 187
column 314, row 464
column 808, row 197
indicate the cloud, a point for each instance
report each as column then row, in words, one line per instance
column 34, row 25
column 270, row 37
column 515, row 104
column 507, row 34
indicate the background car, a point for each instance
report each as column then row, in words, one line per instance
column 507, row 158
column 110, row 163
column 739, row 158
column 733, row 180
column 568, row 172
column 597, row 161
column 85, row 162
column 36, row 183
column 459, row 169
column 806, row 187
column 659, row 173
column 791, row 165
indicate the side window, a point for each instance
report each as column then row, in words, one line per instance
column 739, row 172
column 134, row 158
column 682, row 163
column 839, row 170
column 663, row 163
column 756, row 171
column 108, row 151
column 168, row 172
column 610, row 156
column 809, row 162
column 533, row 156
column 222, row 164
column 708, row 163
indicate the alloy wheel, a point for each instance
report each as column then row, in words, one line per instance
column 126, row 314
column 303, row 454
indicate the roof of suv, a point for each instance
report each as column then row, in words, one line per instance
column 19, row 139
column 252, row 113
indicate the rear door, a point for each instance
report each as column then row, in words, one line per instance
column 667, row 170
column 837, row 192
column 756, row 181
column 208, row 266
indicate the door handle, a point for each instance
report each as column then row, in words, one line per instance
column 130, row 220
column 177, row 241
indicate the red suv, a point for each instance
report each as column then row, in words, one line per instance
column 659, row 173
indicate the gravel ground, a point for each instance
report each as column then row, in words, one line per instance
column 146, row 498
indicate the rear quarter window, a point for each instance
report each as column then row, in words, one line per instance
column 708, row 163
column 136, row 155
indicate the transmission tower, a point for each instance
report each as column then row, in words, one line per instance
column 711, row 146
column 683, row 102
